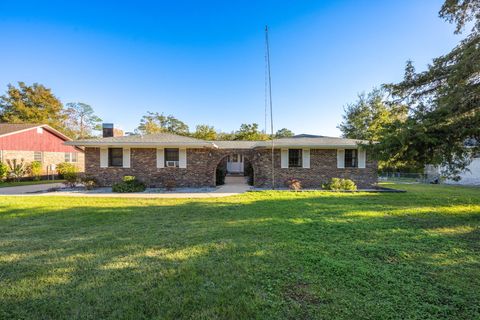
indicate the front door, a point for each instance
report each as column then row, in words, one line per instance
column 235, row 163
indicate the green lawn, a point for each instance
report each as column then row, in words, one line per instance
column 27, row 183
column 268, row 255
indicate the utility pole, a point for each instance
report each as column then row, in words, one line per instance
column 267, row 60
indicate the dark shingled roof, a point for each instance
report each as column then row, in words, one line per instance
column 168, row 139
column 6, row 128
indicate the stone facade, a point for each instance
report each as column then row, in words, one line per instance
column 48, row 158
column 202, row 164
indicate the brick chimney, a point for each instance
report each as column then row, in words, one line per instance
column 107, row 130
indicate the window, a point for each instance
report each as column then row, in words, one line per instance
column 71, row 157
column 294, row 158
column 351, row 159
column 115, row 157
column 171, row 157
column 37, row 156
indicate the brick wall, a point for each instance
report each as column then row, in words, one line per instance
column 201, row 165
column 323, row 167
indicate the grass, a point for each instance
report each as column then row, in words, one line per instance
column 266, row 255
column 27, row 183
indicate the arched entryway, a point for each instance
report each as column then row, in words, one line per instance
column 233, row 168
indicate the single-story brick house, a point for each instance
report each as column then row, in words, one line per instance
column 37, row 142
column 188, row 162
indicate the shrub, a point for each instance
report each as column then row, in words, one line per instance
column 16, row 169
column 69, row 172
column 3, row 171
column 89, row 182
column 35, row 170
column 220, row 176
column 294, row 184
column 337, row 184
column 129, row 184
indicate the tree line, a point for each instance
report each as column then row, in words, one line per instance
column 430, row 117
column 37, row 104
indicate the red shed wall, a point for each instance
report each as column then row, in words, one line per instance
column 31, row 140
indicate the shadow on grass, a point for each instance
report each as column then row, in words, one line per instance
column 255, row 256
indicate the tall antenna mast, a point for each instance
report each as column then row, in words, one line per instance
column 267, row 60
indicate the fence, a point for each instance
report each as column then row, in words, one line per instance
column 401, row 177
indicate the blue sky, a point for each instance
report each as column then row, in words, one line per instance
column 203, row 61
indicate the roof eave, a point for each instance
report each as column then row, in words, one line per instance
column 139, row 144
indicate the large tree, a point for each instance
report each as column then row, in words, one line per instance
column 367, row 117
column 205, row 132
column 443, row 102
column 154, row 122
column 31, row 104
column 284, row 133
column 81, row 120
column 250, row 132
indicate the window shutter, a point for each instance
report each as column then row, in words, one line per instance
column 126, row 157
column 103, row 157
column 362, row 158
column 182, row 158
column 284, row 158
column 160, row 158
column 340, row 158
column 306, row 158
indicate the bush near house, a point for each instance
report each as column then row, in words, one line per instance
column 69, row 172
column 220, row 176
column 89, row 182
column 294, row 184
column 35, row 170
column 129, row 184
column 17, row 169
column 3, row 171
column 337, row 184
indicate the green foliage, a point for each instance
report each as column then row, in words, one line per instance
column 65, row 168
column 154, row 122
column 226, row 136
column 443, row 104
column 35, row 169
column 31, row 104
column 462, row 12
column 284, row 133
column 89, row 182
column 250, row 132
column 81, row 120
column 366, row 118
column 337, row 184
column 69, row 172
column 220, row 174
column 17, row 169
column 205, row 132
column 3, row 171
column 129, row 184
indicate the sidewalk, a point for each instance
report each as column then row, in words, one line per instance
column 21, row 190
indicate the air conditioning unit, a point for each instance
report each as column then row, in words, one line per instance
column 172, row 163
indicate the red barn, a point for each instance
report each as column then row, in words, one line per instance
column 37, row 142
